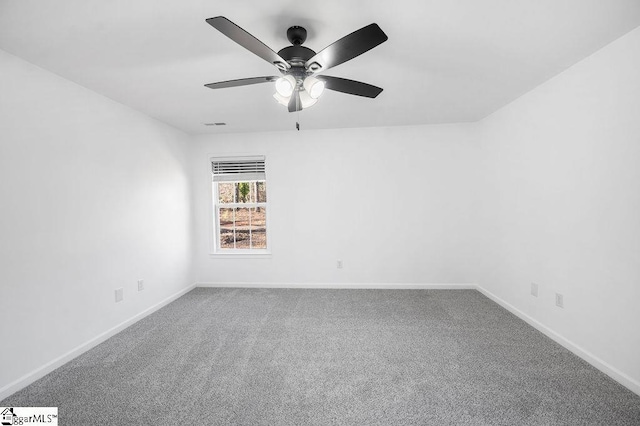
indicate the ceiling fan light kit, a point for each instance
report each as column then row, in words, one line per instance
column 299, row 86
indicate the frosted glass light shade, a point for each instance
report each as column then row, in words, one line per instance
column 282, row 100
column 285, row 85
column 313, row 86
column 306, row 101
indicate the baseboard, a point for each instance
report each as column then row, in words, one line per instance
column 29, row 378
column 389, row 286
column 601, row 365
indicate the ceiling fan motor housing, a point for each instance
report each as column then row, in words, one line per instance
column 296, row 55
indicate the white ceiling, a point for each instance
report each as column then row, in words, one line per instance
column 445, row 60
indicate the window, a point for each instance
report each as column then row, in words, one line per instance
column 240, row 205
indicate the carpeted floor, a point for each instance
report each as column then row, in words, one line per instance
column 318, row 357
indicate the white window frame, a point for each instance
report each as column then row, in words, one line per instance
column 216, row 250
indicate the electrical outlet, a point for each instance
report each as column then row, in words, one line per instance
column 140, row 285
column 339, row 264
column 119, row 295
column 534, row 289
column 559, row 300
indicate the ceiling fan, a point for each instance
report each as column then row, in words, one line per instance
column 299, row 86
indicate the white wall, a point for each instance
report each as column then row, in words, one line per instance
column 561, row 168
column 93, row 196
column 396, row 205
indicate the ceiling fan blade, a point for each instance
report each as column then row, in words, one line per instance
column 351, row 87
column 348, row 47
column 240, row 82
column 294, row 103
column 247, row 41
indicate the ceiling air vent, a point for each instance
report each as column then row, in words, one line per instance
column 215, row 124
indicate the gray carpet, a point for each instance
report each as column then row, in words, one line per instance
column 317, row 357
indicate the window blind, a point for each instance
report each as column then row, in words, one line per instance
column 237, row 169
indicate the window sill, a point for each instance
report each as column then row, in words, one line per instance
column 261, row 255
